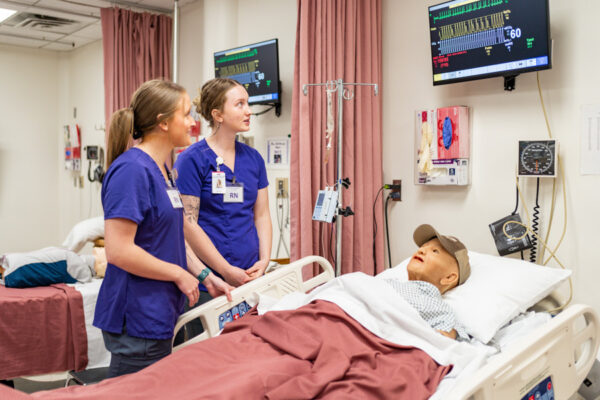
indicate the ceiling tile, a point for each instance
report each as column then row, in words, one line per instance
column 79, row 41
column 93, row 31
column 29, row 33
column 12, row 3
column 79, row 7
column 21, row 41
column 58, row 46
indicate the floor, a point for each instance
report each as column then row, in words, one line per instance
column 30, row 386
column 43, row 382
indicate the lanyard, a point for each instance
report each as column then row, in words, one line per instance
column 172, row 175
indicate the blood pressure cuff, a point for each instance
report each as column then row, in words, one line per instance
column 45, row 267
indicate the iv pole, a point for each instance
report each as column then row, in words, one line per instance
column 342, row 94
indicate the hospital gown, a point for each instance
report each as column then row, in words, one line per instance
column 427, row 300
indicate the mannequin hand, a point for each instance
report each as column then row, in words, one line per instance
column 257, row 270
column 235, row 276
column 452, row 334
column 188, row 284
column 217, row 287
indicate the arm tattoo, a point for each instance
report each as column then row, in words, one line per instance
column 191, row 207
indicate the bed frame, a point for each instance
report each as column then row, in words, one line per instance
column 564, row 349
column 277, row 283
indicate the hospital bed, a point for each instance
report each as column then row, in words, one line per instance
column 560, row 353
column 49, row 329
column 557, row 354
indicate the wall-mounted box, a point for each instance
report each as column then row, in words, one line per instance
column 442, row 142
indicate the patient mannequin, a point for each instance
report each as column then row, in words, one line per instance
column 439, row 264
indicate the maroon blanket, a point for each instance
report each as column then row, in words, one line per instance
column 317, row 351
column 42, row 330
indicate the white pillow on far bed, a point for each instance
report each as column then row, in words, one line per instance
column 498, row 289
column 85, row 231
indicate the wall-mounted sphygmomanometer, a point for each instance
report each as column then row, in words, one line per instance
column 95, row 153
column 537, row 158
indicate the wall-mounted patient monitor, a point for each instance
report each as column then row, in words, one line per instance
column 485, row 38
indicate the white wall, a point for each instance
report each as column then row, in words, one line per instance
column 28, row 177
column 38, row 201
column 499, row 119
column 81, row 78
column 213, row 25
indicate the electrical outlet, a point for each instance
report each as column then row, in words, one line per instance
column 281, row 187
column 396, row 193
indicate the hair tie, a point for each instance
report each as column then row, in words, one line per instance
column 137, row 134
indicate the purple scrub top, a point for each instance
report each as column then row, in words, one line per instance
column 135, row 189
column 230, row 226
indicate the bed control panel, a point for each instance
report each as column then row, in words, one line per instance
column 542, row 391
column 236, row 312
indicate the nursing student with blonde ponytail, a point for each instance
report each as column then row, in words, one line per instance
column 149, row 275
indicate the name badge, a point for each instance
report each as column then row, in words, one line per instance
column 234, row 193
column 175, row 198
column 218, row 182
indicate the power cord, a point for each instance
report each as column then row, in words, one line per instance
column 281, row 222
column 562, row 175
column 387, row 231
column 516, row 208
column 535, row 222
column 266, row 110
column 375, row 227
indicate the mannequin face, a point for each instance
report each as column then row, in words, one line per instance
column 236, row 111
column 432, row 263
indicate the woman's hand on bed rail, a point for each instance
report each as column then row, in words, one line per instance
column 217, row 287
column 258, row 269
column 235, row 276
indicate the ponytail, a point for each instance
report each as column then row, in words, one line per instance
column 119, row 134
column 151, row 99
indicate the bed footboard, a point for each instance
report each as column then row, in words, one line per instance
column 284, row 280
column 564, row 349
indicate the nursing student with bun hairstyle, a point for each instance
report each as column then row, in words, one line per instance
column 223, row 184
column 148, row 275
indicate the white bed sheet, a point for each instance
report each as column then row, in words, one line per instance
column 379, row 308
column 98, row 356
column 517, row 328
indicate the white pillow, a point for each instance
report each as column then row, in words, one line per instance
column 85, row 231
column 498, row 289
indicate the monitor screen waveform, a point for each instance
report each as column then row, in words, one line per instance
column 472, row 39
column 256, row 67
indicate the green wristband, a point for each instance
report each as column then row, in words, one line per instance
column 202, row 276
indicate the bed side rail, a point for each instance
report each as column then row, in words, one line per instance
column 278, row 283
column 564, row 349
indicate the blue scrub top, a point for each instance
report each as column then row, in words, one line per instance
column 134, row 188
column 230, row 226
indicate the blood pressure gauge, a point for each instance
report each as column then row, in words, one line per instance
column 537, row 158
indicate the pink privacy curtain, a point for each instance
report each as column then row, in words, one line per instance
column 337, row 39
column 136, row 47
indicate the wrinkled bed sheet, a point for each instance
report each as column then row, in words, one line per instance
column 317, row 351
column 42, row 330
